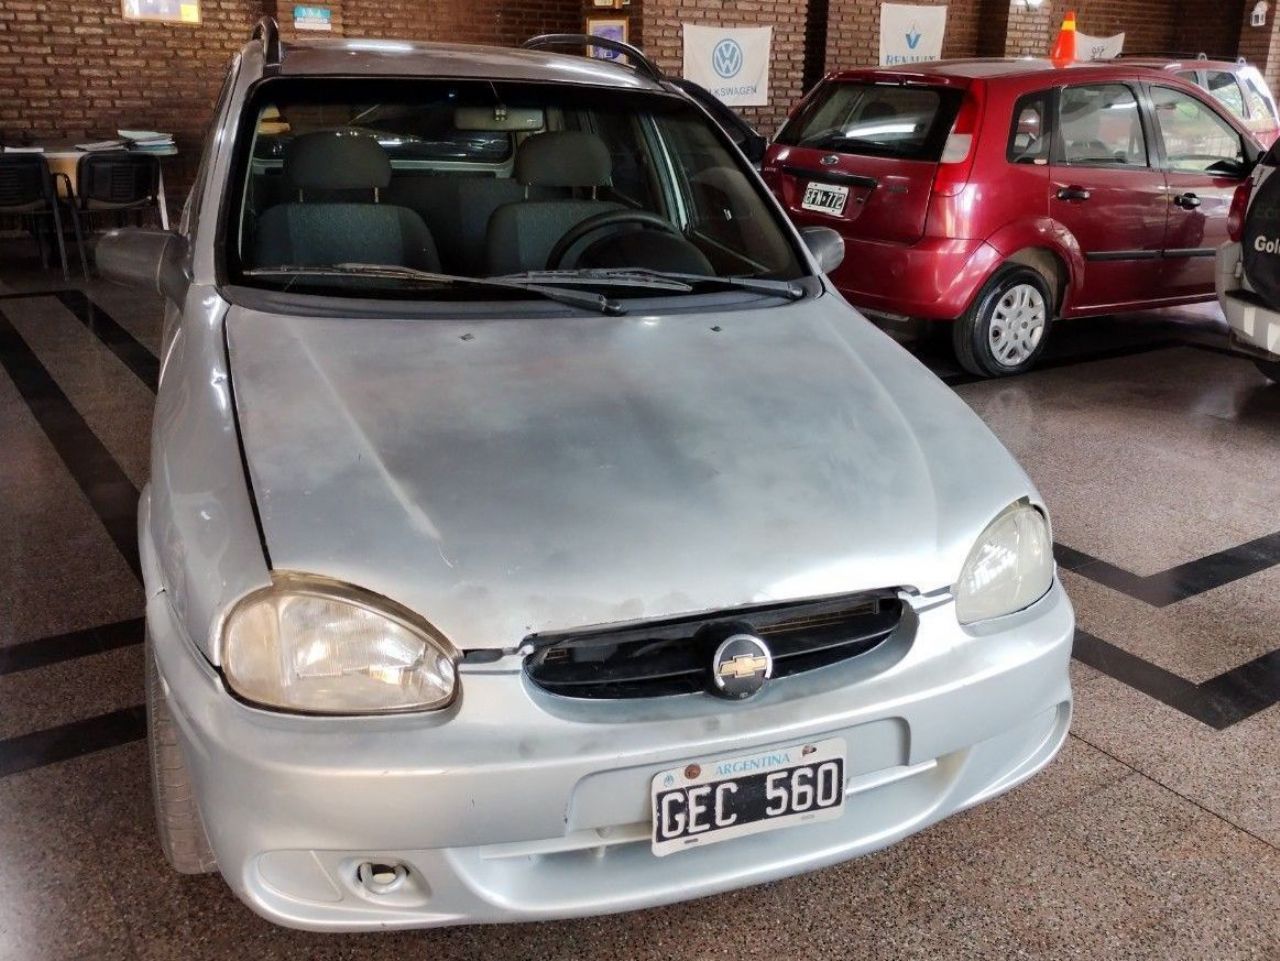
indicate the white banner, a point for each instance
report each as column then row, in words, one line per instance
column 733, row 63
column 1098, row 48
column 910, row 33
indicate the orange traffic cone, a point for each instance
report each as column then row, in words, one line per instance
column 1064, row 48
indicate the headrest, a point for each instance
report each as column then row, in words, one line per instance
column 564, row 158
column 336, row 160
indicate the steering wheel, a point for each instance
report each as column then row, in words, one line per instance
column 608, row 218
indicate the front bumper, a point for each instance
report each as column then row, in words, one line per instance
column 932, row 279
column 1255, row 327
column 515, row 805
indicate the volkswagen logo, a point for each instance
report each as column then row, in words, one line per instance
column 741, row 665
column 726, row 58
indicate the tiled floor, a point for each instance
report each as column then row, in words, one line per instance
column 1156, row 834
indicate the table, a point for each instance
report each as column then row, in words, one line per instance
column 62, row 158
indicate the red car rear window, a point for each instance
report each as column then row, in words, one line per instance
column 877, row 119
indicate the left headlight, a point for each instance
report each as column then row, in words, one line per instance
column 1009, row 568
column 319, row 646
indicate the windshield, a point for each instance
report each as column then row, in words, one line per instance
column 478, row 179
column 877, row 119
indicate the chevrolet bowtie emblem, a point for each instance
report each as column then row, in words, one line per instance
column 740, row 667
column 743, row 665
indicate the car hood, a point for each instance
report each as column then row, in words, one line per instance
column 509, row 476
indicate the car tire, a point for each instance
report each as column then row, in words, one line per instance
column 182, row 835
column 1270, row 369
column 1005, row 328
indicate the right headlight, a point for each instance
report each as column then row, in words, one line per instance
column 318, row 646
column 1009, row 568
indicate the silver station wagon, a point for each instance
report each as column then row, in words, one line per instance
column 532, row 530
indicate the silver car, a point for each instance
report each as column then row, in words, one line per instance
column 533, row 531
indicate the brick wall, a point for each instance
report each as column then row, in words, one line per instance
column 975, row 28
column 71, row 70
column 504, row 22
column 1150, row 26
column 76, row 70
column 660, row 31
column 1261, row 45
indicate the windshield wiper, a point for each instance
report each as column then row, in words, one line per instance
column 571, row 298
column 667, row 280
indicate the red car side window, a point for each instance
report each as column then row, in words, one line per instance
column 1100, row 124
column 1029, row 134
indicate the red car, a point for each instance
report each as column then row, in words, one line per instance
column 1002, row 194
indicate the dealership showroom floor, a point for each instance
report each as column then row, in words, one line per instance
column 1155, row 834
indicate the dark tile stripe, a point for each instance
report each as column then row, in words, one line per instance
column 65, row 647
column 132, row 353
column 1219, row 702
column 1101, row 572
column 1214, row 570
column 1156, row 682
column 1247, row 689
column 1181, row 582
column 109, row 491
column 66, row 741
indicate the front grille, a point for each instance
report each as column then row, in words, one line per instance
column 674, row 656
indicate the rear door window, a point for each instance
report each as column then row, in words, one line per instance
column 1029, row 138
column 1226, row 90
column 881, row 120
column 1195, row 137
column 1100, row 125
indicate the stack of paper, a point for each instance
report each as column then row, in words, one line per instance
column 102, row 145
column 148, row 140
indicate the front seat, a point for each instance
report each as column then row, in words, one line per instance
column 521, row 234
column 337, row 178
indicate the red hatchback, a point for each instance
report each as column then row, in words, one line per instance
column 1001, row 194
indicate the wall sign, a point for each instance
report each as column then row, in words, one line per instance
column 910, row 33
column 731, row 62
column 161, row 11
column 312, row 18
column 1098, row 48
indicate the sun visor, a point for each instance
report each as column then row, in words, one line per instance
column 497, row 118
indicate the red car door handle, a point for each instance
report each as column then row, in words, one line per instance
column 1187, row 201
column 1073, row 193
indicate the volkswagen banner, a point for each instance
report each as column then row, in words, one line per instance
column 731, row 62
column 910, row 33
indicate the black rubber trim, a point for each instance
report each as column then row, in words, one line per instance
column 1107, row 255
column 1191, row 252
column 830, row 176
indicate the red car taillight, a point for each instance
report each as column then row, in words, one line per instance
column 956, row 162
column 1239, row 207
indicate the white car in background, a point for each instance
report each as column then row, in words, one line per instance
column 1248, row 270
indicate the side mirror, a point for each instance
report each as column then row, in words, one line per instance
column 826, row 245
column 150, row 259
column 754, row 147
column 1230, row 168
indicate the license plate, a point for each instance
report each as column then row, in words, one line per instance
column 825, row 198
column 702, row 804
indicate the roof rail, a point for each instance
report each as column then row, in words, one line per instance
column 642, row 64
column 268, row 31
